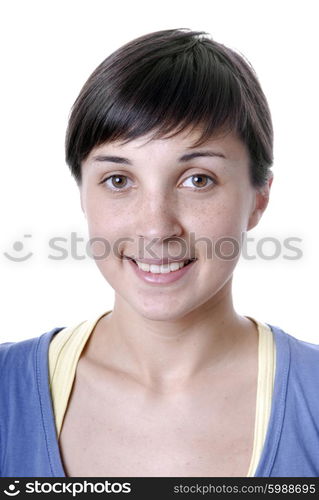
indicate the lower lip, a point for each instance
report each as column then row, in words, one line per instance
column 160, row 278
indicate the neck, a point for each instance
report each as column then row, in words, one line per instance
column 169, row 354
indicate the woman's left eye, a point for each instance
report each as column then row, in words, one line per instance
column 200, row 181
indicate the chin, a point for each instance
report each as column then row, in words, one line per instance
column 155, row 310
column 162, row 311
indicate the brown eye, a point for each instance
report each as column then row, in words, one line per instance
column 116, row 182
column 200, row 181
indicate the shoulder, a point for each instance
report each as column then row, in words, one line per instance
column 10, row 351
column 303, row 356
column 17, row 355
column 26, row 353
column 23, row 374
column 297, row 345
column 27, row 344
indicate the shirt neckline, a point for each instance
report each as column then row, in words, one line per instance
column 42, row 377
column 267, row 457
column 276, row 419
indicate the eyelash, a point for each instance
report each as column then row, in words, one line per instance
column 114, row 189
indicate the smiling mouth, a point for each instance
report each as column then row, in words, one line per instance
column 173, row 266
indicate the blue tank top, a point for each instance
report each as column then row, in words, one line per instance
column 28, row 440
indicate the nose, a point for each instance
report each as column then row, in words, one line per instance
column 158, row 217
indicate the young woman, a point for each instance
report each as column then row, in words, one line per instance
column 170, row 143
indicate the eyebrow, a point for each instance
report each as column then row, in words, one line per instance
column 183, row 158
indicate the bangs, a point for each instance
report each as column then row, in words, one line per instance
column 162, row 84
column 170, row 96
column 163, row 97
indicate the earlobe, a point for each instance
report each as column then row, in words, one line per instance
column 260, row 203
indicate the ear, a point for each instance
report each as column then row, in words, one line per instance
column 81, row 200
column 261, row 200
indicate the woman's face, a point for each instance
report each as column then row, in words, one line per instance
column 161, row 199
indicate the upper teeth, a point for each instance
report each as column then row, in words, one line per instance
column 166, row 268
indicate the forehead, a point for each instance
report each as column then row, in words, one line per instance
column 225, row 145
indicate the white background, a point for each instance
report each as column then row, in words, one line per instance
column 48, row 49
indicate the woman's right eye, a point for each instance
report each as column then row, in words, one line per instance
column 115, row 182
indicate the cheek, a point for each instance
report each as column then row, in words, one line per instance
column 222, row 219
column 105, row 218
column 106, row 230
column 218, row 233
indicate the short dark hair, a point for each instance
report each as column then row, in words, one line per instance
column 164, row 82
